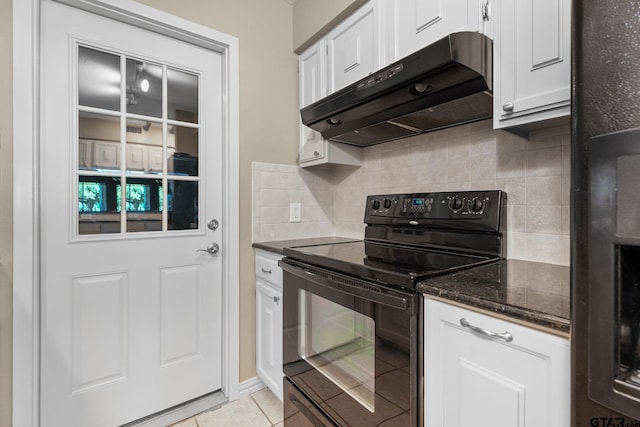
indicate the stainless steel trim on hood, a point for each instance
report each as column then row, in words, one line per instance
column 445, row 84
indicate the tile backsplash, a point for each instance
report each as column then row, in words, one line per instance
column 533, row 172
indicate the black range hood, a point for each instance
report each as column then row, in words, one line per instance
column 445, row 84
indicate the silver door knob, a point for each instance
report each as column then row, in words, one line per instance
column 212, row 248
column 213, row 224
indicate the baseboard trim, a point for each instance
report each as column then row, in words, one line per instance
column 250, row 386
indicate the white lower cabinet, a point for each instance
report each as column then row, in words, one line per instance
column 269, row 321
column 472, row 379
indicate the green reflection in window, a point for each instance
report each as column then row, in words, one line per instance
column 92, row 197
column 137, row 197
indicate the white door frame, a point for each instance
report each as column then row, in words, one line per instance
column 26, row 205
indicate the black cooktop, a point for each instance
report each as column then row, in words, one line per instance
column 391, row 264
column 414, row 236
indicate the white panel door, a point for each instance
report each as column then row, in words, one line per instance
column 131, row 310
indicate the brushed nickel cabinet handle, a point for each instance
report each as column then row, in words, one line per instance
column 483, row 332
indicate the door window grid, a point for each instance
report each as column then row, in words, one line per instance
column 165, row 180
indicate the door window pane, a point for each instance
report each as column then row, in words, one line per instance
column 103, row 130
column 99, row 79
column 98, row 205
column 144, row 88
column 144, row 204
column 182, row 96
column 144, row 146
column 185, row 159
column 182, row 205
column 339, row 343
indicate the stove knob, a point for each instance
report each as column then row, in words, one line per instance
column 386, row 203
column 476, row 205
column 455, row 203
column 375, row 205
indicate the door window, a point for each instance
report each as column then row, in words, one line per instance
column 138, row 145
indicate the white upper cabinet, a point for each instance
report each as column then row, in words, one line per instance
column 417, row 23
column 312, row 68
column 532, row 61
column 348, row 53
column 354, row 47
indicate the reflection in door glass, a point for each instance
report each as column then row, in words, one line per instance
column 144, row 146
column 98, row 205
column 182, row 96
column 185, row 159
column 144, row 88
column 144, row 204
column 98, row 141
column 340, row 343
column 99, row 79
column 182, row 205
column 154, row 137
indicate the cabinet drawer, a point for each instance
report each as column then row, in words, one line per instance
column 267, row 268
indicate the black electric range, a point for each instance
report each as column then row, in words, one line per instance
column 411, row 237
column 352, row 318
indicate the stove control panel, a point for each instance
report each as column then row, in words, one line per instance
column 473, row 209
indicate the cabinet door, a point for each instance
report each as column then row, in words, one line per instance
column 85, row 154
column 136, row 157
column 475, row 380
column 269, row 336
column 353, row 48
column 106, row 155
column 154, row 159
column 418, row 23
column 312, row 66
column 532, row 57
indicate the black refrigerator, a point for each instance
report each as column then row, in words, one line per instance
column 605, row 230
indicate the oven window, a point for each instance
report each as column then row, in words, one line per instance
column 340, row 344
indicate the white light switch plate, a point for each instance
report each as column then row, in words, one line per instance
column 294, row 212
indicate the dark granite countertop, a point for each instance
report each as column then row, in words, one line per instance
column 279, row 245
column 533, row 292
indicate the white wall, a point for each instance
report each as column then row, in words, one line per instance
column 534, row 173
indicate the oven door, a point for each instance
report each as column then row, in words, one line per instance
column 351, row 346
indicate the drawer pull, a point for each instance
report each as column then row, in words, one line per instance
column 276, row 299
column 264, row 270
column 508, row 107
column 483, row 332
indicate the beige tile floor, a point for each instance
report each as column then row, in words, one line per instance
column 261, row 409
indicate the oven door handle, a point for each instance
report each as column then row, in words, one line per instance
column 379, row 297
